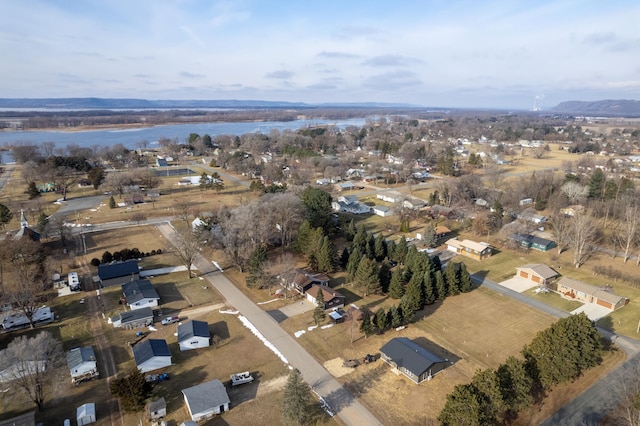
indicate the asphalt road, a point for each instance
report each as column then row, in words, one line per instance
column 341, row 401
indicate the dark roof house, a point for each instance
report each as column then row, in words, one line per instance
column 332, row 299
column 140, row 293
column 529, row 241
column 411, row 359
column 193, row 334
column 133, row 319
column 152, row 354
column 118, row 273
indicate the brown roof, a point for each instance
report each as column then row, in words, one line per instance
column 327, row 292
column 441, row 229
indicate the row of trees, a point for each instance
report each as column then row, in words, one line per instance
column 556, row 355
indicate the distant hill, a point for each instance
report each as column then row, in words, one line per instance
column 108, row 103
column 606, row 108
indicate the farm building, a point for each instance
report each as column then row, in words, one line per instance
column 332, row 299
column 537, row 273
column 193, row 334
column 411, row 359
column 82, row 364
column 140, row 294
column 86, row 414
column 152, row 354
column 529, row 241
column 587, row 293
column 472, row 249
column 118, row 273
column 206, row 399
column 137, row 318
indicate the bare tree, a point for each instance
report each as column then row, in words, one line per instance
column 286, row 212
column 117, row 181
column 33, row 364
column 538, row 150
column 574, row 191
column 188, row 247
column 184, row 209
column 584, row 234
column 561, row 231
column 148, row 178
column 283, row 270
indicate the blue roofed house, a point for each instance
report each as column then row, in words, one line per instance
column 137, row 318
column 411, row 359
column 152, row 354
column 118, row 273
column 140, row 294
column 529, row 241
column 206, row 400
column 193, row 334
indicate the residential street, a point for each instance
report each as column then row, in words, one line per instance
column 350, row 411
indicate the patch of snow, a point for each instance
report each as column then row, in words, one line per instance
column 217, row 265
column 324, row 327
column 299, row 333
column 312, row 327
column 259, row 335
column 325, row 405
column 152, row 328
column 268, row 301
column 230, row 312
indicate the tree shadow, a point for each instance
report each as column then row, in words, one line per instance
column 349, row 295
column 168, row 292
column 437, row 350
column 219, row 329
column 244, row 392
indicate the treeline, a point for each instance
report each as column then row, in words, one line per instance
column 559, row 354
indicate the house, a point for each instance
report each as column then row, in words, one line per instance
column 22, row 369
column 26, row 419
column 436, row 211
column 350, row 204
column 472, row 249
column 152, row 354
column 118, row 273
column 529, row 216
column 303, row 280
column 137, row 318
column 413, row 203
column 442, row 231
column 572, row 210
column 73, row 281
column 537, row 273
column 393, row 197
column 140, row 294
column 193, row 334
column 344, row 186
column 161, row 162
column 206, row 400
column 382, row 211
column 587, row 293
column 332, row 299
column 82, row 364
column 86, row 414
column 18, row 319
column 134, row 198
column 411, row 359
column 529, row 241
column 156, row 409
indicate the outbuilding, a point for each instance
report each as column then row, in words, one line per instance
column 82, row 364
column 86, row 414
column 137, row 318
column 140, row 294
column 193, row 335
column 152, row 354
column 206, row 400
column 537, row 273
column 118, row 273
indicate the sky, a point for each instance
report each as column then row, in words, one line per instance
column 435, row 53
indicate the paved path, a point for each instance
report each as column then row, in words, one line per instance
column 341, row 401
column 592, row 405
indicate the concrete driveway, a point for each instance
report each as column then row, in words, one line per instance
column 297, row 307
column 518, row 284
column 593, row 311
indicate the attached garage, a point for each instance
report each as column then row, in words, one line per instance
column 537, row 273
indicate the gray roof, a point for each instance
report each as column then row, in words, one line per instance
column 79, row 356
column 405, row 353
column 135, row 315
column 157, row 405
column 541, row 270
column 137, row 290
column 193, row 328
column 107, row 271
column 205, row 396
column 150, row 348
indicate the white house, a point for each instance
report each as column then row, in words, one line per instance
column 140, row 294
column 86, row 414
column 193, row 334
column 82, row 364
column 22, row 369
column 152, row 354
column 206, row 400
column 350, row 204
column 390, row 197
column 382, row 211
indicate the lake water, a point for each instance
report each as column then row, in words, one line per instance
column 129, row 137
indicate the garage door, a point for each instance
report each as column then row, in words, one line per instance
column 535, row 278
column 523, row 274
column 605, row 304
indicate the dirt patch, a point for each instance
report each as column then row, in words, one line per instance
column 336, row 368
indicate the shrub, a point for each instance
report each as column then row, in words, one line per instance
column 95, row 261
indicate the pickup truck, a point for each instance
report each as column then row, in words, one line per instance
column 169, row 320
column 241, row 378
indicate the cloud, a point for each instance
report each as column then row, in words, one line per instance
column 600, row 38
column 279, row 74
column 337, row 55
column 392, row 80
column 187, row 74
column 225, row 13
column 391, row 61
column 355, row 31
column 193, row 36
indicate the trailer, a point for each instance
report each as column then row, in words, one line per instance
column 241, row 378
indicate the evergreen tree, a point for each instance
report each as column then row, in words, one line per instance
column 366, row 277
column 112, row 202
column 516, row 384
column 33, row 190
column 344, row 258
column 406, row 311
column 318, row 313
column 302, row 238
column 298, row 405
column 395, row 317
column 384, row 277
column 366, row 327
column 132, row 390
column 326, row 256
column 318, row 210
column 205, row 182
column 216, row 182
column 255, row 269
column 312, row 262
column 350, row 231
column 487, row 383
column 380, row 247
column 401, row 250
column 354, row 261
column 370, row 246
column 396, row 286
column 464, row 406
column 597, row 183
column 5, row 215
column 441, row 286
column 413, row 299
column 436, row 265
column 43, row 221
column 451, row 278
column 381, row 320
column 466, row 285
column 429, row 239
column 430, row 292
column 391, row 248
column 360, row 239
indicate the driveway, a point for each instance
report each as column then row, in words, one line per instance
column 518, row 284
column 593, row 311
column 297, row 307
column 339, row 399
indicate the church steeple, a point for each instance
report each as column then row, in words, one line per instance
column 23, row 219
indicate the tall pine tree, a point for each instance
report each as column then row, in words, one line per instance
column 396, row 287
column 318, row 313
column 366, row 278
column 298, row 404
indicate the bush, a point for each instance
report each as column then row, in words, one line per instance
column 95, row 261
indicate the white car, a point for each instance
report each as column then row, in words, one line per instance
column 169, row 320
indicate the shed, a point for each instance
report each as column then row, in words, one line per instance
column 157, row 409
column 118, row 273
column 206, row 399
column 82, row 364
column 152, row 354
column 411, row 359
column 86, row 413
column 382, row 211
column 140, row 294
column 137, row 318
column 193, row 334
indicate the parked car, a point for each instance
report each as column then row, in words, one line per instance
column 170, row 320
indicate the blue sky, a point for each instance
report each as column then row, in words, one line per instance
column 442, row 53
